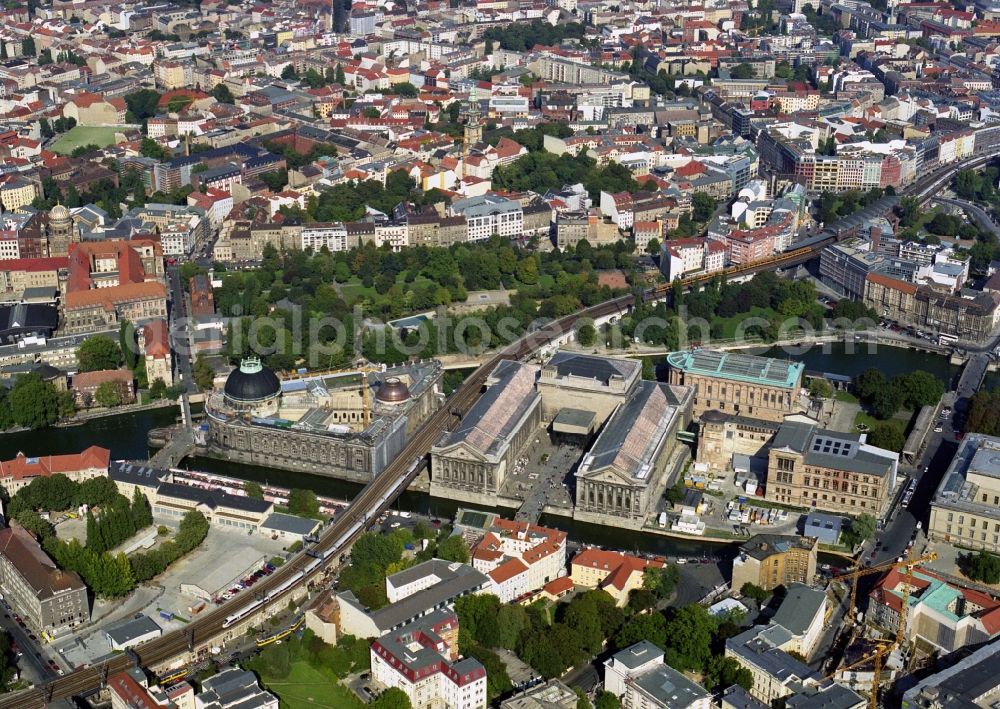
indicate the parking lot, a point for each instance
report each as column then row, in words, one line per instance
column 224, row 558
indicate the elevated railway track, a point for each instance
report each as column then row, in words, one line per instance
column 380, row 493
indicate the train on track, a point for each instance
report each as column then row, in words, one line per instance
column 378, row 495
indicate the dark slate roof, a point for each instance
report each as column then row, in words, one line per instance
column 213, row 498
column 602, row 369
column 134, row 474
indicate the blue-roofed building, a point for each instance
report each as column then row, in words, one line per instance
column 826, row 528
column 763, row 388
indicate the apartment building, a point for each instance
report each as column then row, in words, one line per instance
column 50, row 600
column 421, row 658
column 516, row 557
column 616, row 572
column 639, row 677
column 772, row 560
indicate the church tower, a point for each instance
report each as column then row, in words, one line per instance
column 60, row 232
column 473, row 125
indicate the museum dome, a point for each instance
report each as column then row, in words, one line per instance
column 59, row 213
column 393, row 391
column 252, row 382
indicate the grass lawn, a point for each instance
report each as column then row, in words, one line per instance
column 307, row 686
column 900, row 420
column 845, row 396
column 353, row 290
column 85, row 135
column 730, row 324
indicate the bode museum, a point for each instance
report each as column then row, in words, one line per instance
column 345, row 424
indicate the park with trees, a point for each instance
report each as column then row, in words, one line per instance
column 894, row 402
column 111, row 519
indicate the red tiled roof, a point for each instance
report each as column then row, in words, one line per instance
column 157, row 339
column 893, row 283
column 22, row 466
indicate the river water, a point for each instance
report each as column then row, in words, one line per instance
column 126, row 436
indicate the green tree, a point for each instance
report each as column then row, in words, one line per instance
column 689, row 638
column 702, row 206
column 107, row 395
column 742, row 71
column 392, row 698
column 97, row 353
column 983, row 567
column 142, row 104
column 755, row 592
column 204, row 375
column 275, row 180
column 606, row 700
column 869, row 383
column 886, row 435
column 303, row 503
column 724, row 672
column 151, row 149
column 661, row 581
column 586, row 334
column 454, row 548
column 820, row 388
column 864, row 526
column 28, row 47
column 222, row 94
column 253, row 490
column 35, row 403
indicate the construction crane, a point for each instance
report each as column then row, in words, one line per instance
column 884, row 646
column 363, row 369
column 869, row 570
column 877, row 656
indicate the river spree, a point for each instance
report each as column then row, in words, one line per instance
column 126, row 436
column 853, row 359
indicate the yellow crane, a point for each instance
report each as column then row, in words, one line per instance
column 876, row 656
column 869, row 570
column 884, row 647
column 366, row 393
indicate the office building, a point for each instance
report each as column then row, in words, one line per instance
column 965, row 509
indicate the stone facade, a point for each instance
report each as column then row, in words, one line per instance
column 722, row 436
column 626, row 469
column 473, row 462
column 828, row 470
column 355, row 452
column 755, row 387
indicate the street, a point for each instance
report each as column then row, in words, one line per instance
column 35, row 661
column 179, row 330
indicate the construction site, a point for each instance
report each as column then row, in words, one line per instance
column 347, row 424
column 886, row 640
